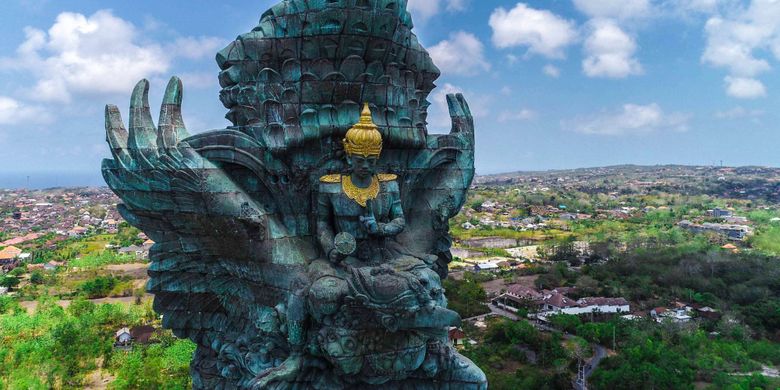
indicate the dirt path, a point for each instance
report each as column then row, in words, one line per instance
column 133, row 270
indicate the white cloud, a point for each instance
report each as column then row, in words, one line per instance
column 541, row 31
column 609, row 51
column 738, row 42
column 462, row 54
column 631, row 119
column 744, row 88
column 514, row 116
column 425, row 9
column 685, row 7
column 196, row 48
column 13, row 112
column 439, row 113
column 457, row 5
column 96, row 54
column 738, row 113
column 551, row 71
column 199, row 80
column 731, row 44
column 618, row 9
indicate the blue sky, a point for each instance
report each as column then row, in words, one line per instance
column 553, row 83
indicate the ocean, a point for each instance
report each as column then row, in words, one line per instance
column 51, row 179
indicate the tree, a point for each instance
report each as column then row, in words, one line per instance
column 565, row 322
column 548, row 281
column 9, row 281
column 587, row 286
column 18, row 271
column 648, row 365
column 37, row 277
column 467, row 297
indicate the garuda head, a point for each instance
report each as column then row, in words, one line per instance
column 301, row 75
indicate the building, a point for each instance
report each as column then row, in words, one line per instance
column 77, row 231
column 53, row 265
column 122, row 337
column 21, row 239
column 604, row 305
column 134, row 250
column 732, row 232
column 556, row 302
column 456, row 336
column 488, row 266
column 110, row 225
column 517, row 297
column 678, row 316
column 9, row 257
column 720, row 213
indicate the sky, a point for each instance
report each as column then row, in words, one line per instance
column 552, row 83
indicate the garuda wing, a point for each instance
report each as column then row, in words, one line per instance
column 216, row 243
column 435, row 186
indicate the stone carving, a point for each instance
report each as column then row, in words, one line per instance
column 304, row 246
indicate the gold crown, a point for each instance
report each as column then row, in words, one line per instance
column 364, row 138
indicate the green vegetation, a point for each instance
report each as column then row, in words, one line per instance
column 57, row 348
column 745, row 285
column 623, row 240
column 9, row 281
column 159, row 366
column 100, row 259
column 768, row 240
column 103, row 286
column 467, row 297
column 672, row 357
column 515, row 355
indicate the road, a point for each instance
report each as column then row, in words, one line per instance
column 591, row 365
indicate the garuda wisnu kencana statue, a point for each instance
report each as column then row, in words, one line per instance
column 304, row 246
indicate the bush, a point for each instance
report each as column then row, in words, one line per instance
column 99, row 287
column 466, row 297
column 37, row 277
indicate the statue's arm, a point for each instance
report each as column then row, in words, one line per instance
column 397, row 221
column 325, row 232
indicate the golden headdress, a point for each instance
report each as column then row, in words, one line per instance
column 364, row 138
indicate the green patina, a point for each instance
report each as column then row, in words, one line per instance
column 245, row 219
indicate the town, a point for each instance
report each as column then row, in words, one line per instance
column 559, row 277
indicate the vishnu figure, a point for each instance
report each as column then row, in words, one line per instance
column 375, row 296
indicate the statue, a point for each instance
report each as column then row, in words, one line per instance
column 304, row 246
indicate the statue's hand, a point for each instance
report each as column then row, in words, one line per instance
column 286, row 372
column 370, row 224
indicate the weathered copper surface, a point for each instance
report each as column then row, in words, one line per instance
column 245, row 219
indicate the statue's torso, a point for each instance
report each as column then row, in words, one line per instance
column 347, row 212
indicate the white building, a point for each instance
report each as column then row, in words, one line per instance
column 489, row 266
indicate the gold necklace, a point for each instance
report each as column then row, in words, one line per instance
column 360, row 195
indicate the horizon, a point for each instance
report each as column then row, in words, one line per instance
column 41, row 180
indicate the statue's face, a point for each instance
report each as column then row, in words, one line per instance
column 362, row 166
